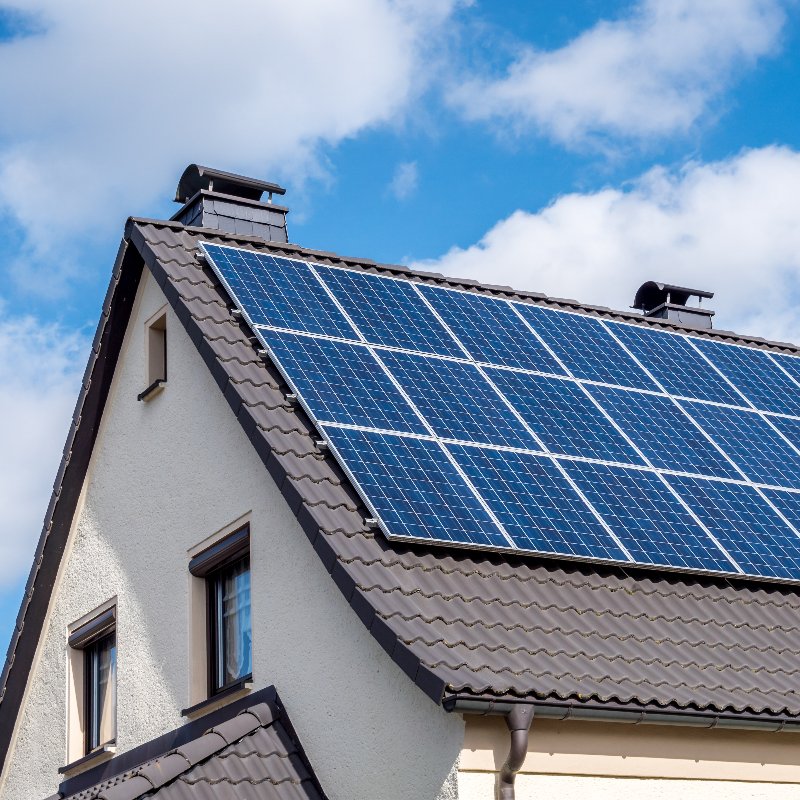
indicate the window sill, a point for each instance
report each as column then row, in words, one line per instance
column 92, row 759
column 152, row 390
column 233, row 692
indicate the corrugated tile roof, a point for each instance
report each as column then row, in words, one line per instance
column 253, row 755
column 466, row 622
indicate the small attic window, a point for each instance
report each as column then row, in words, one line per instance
column 155, row 355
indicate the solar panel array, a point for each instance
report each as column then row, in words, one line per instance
column 488, row 422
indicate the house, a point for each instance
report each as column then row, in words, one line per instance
column 218, row 606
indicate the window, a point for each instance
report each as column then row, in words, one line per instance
column 230, row 630
column 94, row 648
column 225, row 568
column 156, row 355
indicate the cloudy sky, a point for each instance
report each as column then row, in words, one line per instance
column 576, row 149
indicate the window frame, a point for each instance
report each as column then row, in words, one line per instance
column 84, row 641
column 210, row 565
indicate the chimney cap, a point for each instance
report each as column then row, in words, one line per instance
column 196, row 178
column 651, row 294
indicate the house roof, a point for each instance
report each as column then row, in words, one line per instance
column 456, row 621
column 253, row 754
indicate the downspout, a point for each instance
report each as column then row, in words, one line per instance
column 519, row 720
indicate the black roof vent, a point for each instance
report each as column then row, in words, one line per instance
column 232, row 203
column 665, row 301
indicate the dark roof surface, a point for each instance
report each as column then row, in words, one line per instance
column 252, row 755
column 454, row 620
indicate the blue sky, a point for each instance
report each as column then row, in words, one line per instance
column 576, row 149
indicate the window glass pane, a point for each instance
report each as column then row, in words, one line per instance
column 233, row 657
column 101, row 693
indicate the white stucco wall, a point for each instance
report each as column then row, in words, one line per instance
column 165, row 475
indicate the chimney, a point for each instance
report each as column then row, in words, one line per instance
column 231, row 203
column 664, row 301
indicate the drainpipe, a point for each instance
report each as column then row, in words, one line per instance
column 519, row 720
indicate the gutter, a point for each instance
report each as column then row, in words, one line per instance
column 777, row 723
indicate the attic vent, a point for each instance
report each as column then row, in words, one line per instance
column 665, row 301
column 232, row 203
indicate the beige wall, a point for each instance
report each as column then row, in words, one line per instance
column 165, row 476
column 569, row 759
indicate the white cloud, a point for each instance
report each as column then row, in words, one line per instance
column 652, row 73
column 405, row 180
column 732, row 227
column 103, row 110
column 40, row 373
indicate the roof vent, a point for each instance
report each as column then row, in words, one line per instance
column 664, row 301
column 231, row 203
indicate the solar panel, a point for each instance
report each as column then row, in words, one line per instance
column 480, row 421
column 414, row 488
column 535, row 503
column 646, row 517
column 585, row 347
column 674, row 442
column 563, row 417
column 755, row 375
column 389, row 312
column 279, row 292
column 749, row 440
column 675, row 364
column 745, row 525
column 490, row 330
column 342, row 382
column 457, row 401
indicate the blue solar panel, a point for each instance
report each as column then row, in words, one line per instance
column 563, row 417
column 342, row 382
column 646, row 517
column 665, row 435
column 389, row 312
column 453, row 478
column 789, row 363
column 279, row 292
column 745, row 526
column 755, row 375
column 457, row 401
column 750, row 442
column 585, row 347
column 675, row 364
column 490, row 330
column 535, row 503
column 414, row 488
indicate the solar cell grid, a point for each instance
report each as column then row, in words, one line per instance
column 646, row 517
column 457, row 401
column 665, row 435
column 414, row 488
column 535, row 503
column 279, row 292
column 585, row 347
column 490, row 330
column 421, row 488
column 675, row 364
column 744, row 524
column 750, row 442
column 389, row 312
column 563, row 417
column 342, row 382
column 754, row 373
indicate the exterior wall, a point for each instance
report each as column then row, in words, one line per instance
column 570, row 759
column 165, row 475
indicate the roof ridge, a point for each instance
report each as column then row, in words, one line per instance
column 465, row 284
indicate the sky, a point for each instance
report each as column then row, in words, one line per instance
column 576, row 149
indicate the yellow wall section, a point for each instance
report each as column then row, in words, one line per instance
column 615, row 751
